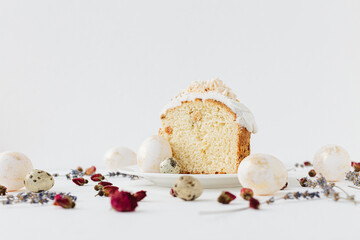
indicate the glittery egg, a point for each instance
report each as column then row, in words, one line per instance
column 38, row 180
column 13, row 168
column 188, row 188
column 119, row 157
column 332, row 162
column 263, row 173
column 152, row 152
column 170, row 165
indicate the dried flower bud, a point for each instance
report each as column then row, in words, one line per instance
column 356, row 166
column 172, row 193
column 307, row 164
column 90, row 171
column 64, row 201
column 80, row 181
column 108, row 190
column 102, row 183
column 246, row 193
column 226, row 197
column 98, row 187
column 312, row 173
column 285, row 186
column 140, row 195
column 100, row 193
column 97, row 177
column 2, row 190
column 80, row 169
column 254, row 203
column 123, row 201
column 303, row 182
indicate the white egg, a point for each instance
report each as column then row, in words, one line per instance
column 152, row 152
column 119, row 157
column 332, row 162
column 263, row 173
column 13, row 168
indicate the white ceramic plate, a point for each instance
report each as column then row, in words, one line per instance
column 168, row 180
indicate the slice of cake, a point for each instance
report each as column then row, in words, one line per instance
column 208, row 128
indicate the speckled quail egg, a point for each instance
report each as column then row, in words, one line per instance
column 170, row 165
column 152, row 152
column 38, row 180
column 13, row 168
column 333, row 162
column 188, row 188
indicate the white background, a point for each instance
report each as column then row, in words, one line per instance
column 79, row 77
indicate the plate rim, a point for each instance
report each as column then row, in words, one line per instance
column 139, row 173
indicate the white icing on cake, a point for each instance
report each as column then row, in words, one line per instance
column 216, row 90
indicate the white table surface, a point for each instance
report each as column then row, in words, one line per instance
column 161, row 216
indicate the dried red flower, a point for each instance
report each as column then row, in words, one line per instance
column 3, row 190
column 254, row 203
column 226, row 197
column 64, row 201
column 246, row 193
column 97, row 177
column 172, row 193
column 108, row 190
column 356, row 166
column 140, row 195
column 303, row 182
column 90, row 171
column 123, row 201
column 102, row 183
column 307, row 164
column 80, row 181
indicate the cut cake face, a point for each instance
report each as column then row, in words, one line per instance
column 208, row 128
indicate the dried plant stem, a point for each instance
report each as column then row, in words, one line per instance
column 358, row 188
column 223, row 211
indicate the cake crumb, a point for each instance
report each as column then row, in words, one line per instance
column 196, row 116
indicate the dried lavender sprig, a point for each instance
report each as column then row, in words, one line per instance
column 328, row 188
column 113, row 174
column 353, row 177
column 74, row 173
column 33, row 198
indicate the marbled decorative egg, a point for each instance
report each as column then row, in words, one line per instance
column 119, row 157
column 332, row 161
column 188, row 188
column 170, row 165
column 263, row 173
column 38, row 180
column 152, row 152
column 13, row 168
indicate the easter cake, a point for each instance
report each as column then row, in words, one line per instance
column 207, row 128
